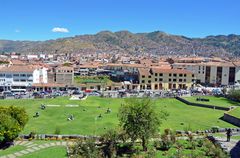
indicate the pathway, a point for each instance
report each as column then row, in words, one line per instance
column 232, row 147
column 31, row 147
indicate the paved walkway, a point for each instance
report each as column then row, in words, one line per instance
column 33, row 147
column 232, row 147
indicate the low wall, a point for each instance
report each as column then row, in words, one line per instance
column 231, row 119
column 51, row 136
column 202, row 105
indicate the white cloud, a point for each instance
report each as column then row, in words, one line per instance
column 60, row 29
column 17, row 31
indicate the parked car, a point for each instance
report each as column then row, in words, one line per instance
column 37, row 95
column 44, row 92
column 8, row 94
column 76, row 92
column 56, row 94
column 94, row 94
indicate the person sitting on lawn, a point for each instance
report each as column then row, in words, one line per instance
column 43, row 107
column 100, row 116
column 109, row 110
column 37, row 114
column 70, row 117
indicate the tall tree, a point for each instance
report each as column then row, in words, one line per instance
column 140, row 120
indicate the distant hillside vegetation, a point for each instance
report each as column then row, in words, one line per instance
column 124, row 41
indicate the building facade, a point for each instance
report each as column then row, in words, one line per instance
column 165, row 79
column 21, row 77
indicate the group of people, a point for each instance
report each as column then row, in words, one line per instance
column 70, row 117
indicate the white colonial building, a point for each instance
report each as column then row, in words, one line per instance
column 21, row 77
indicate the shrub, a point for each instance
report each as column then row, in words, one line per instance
column 57, row 130
column 215, row 129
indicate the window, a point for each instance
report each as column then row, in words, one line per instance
column 170, row 74
column 29, row 75
column 192, row 75
column 160, row 74
column 22, row 80
column 156, row 74
column 185, row 75
column 184, row 80
column 180, row 75
column 29, row 80
column 160, row 79
column 8, row 76
column 149, row 81
column 143, row 81
column 2, row 75
column 156, row 79
column 149, row 76
column 16, row 75
column 169, row 79
column 174, row 80
column 143, row 76
column 16, row 80
column 22, row 75
column 180, row 80
column 175, row 75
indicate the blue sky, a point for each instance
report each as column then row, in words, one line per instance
column 36, row 19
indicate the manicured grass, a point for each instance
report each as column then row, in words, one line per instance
column 86, row 120
column 11, row 150
column 92, row 79
column 235, row 112
column 53, row 152
column 217, row 101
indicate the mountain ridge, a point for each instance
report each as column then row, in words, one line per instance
column 156, row 43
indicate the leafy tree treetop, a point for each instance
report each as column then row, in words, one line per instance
column 139, row 119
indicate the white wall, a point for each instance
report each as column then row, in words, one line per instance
column 225, row 75
column 40, row 75
column 237, row 74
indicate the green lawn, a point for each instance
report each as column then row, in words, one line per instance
column 53, row 152
column 92, row 79
column 12, row 149
column 86, row 115
column 217, row 101
column 235, row 112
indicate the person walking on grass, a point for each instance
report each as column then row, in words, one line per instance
column 229, row 134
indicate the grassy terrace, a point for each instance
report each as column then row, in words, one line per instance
column 11, row 150
column 218, row 101
column 86, row 115
column 235, row 112
column 58, row 152
column 92, row 79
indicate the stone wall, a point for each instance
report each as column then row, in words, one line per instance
column 231, row 119
column 202, row 105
